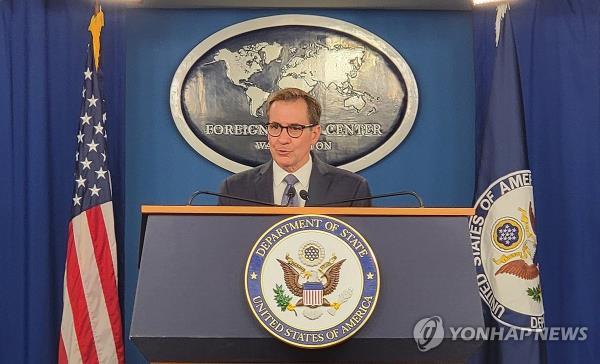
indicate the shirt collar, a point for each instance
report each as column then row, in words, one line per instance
column 303, row 174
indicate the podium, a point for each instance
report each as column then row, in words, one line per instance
column 190, row 304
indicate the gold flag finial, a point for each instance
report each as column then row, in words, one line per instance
column 96, row 24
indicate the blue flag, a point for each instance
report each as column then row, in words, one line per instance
column 502, row 230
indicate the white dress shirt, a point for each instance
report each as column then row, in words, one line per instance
column 303, row 175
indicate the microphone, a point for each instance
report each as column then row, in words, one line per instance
column 290, row 195
column 401, row 193
column 195, row 194
column 304, row 195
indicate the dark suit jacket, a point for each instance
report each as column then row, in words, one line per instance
column 327, row 184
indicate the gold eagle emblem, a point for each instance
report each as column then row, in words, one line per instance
column 520, row 268
column 292, row 279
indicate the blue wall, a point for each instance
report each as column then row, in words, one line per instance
column 436, row 159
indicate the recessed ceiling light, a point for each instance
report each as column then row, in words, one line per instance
column 489, row 2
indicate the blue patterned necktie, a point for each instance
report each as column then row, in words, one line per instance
column 291, row 180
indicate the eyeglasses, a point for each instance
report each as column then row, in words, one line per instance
column 293, row 130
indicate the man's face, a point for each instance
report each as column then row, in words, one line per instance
column 291, row 153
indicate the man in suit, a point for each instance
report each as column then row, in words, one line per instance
column 293, row 128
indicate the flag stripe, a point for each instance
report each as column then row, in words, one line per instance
column 92, row 286
column 77, row 297
column 62, row 354
column 104, row 262
column 107, row 213
column 67, row 332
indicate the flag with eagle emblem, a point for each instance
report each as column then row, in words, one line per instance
column 502, row 231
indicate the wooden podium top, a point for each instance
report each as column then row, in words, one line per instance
column 260, row 210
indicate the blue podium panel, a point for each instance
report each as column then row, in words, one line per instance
column 191, row 306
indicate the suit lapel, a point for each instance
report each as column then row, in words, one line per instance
column 263, row 183
column 319, row 185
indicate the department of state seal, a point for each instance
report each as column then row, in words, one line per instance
column 504, row 243
column 312, row 281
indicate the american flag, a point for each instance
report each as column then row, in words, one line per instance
column 91, row 320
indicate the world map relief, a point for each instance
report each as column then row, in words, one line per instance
column 334, row 67
column 366, row 90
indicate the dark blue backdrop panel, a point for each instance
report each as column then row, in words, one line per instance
column 436, row 159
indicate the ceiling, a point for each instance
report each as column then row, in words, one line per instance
column 347, row 4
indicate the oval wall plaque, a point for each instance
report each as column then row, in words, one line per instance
column 368, row 92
